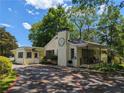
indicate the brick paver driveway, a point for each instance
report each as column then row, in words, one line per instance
column 53, row 79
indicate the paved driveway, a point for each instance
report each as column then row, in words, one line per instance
column 52, row 79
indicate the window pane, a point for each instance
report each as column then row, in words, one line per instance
column 29, row 55
column 72, row 53
column 49, row 52
column 20, row 54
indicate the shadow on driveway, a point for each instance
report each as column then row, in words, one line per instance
column 52, row 79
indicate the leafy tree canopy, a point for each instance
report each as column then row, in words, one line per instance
column 7, row 42
column 55, row 20
column 111, row 28
column 83, row 19
column 108, row 28
column 89, row 3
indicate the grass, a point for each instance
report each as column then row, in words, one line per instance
column 5, row 83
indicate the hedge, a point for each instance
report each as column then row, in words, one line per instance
column 5, row 66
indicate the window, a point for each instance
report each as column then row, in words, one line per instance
column 35, row 55
column 20, row 54
column 49, row 52
column 72, row 53
column 29, row 55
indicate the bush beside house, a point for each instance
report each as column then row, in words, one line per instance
column 52, row 59
column 7, row 75
column 5, row 66
column 109, row 67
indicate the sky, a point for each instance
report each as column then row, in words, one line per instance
column 18, row 15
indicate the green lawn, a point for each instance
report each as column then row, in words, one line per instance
column 5, row 83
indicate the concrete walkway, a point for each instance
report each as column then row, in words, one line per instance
column 54, row 79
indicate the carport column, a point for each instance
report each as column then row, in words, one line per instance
column 63, row 48
column 24, row 57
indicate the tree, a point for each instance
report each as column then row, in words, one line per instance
column 110, row 22
column 77, row 18
column 110, row 25
column 84, row 20
column 55, row 21
column 7, row 42
column 111, row 29
column 90, row 35
column 89, row 3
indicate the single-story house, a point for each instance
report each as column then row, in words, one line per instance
column 75, row 52
column 27, row 55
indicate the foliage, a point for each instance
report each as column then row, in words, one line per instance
column 74, row 35
column 5, row 83
column 41, row 53
column 87, row 20
column 111, row 28
column 7, row 42
column 108, row 28
column 117, row 59
column 52, row 59
column 83, row 19
column 90, row 35
column 55, row 21
column 89, row 3
column 5, row 66
column 105, row 67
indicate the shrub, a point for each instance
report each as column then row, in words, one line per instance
column 5, row 66
column 49, row 60
column 106, row 67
